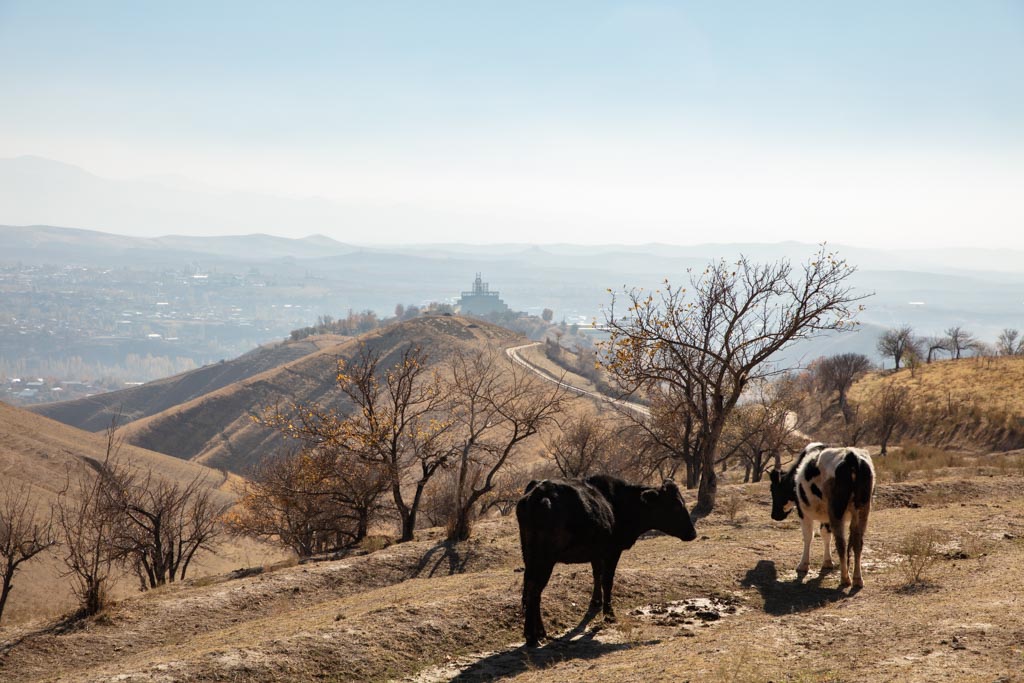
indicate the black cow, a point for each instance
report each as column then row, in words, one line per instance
column 589, row 521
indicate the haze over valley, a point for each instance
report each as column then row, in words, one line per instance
column 531, row 342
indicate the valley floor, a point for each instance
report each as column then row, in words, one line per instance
column 727, row 607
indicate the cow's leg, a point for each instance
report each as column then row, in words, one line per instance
column 826, row 538
column 611, row 561
column 535, row 578
column 807, row 526
column 858, row 525
column 595, row 598
column 839, row 530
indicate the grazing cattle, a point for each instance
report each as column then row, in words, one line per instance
column 589, row 521
column 832, row 486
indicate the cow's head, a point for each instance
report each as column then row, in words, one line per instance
column 668, row 511
column 783, row 494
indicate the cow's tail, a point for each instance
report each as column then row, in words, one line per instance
column 862, row 478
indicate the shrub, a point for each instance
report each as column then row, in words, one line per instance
column 920, row 549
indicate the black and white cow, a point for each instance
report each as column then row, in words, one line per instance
column 831, row 486
column 589, row 521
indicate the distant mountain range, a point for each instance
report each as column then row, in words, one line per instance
column 36, row 191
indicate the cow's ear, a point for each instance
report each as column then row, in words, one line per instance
column 532, row 485
column 670, row 485
column 649, row 496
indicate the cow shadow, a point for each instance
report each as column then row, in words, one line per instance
column 789, row 597
column 578, row 643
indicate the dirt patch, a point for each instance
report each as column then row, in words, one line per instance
column 689, row 614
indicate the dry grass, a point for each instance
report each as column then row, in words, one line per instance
column 431, row 611
column 966, row 402
column 916, row 461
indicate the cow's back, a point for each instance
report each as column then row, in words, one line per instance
column 565, row 521
column 834, row 478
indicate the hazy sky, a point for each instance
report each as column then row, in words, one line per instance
column 888, row 123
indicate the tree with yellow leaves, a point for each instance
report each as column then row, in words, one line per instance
column 709, row 341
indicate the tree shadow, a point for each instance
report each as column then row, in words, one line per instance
column 445, row 556
column 789, row 597
column 577, row 643
column 68, row 623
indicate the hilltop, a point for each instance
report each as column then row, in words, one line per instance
column 216, row 428
column 43, row 453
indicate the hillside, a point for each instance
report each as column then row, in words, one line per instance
column 971, row 402
column 727, row 607
column 94, row 413
column 40, row 452
column 217, row 428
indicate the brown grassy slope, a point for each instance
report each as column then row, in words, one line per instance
column 40, row 453
column 94, row 413
column 429, row 612
column 217, row 429
column 971, row 402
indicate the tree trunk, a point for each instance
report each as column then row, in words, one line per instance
column 692, row 473
column 844, row 406
column 4, row 592
column 706, row 493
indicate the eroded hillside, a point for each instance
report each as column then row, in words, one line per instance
column 217, row 428
column 95, row 413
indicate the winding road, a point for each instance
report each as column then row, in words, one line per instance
column 513, row 353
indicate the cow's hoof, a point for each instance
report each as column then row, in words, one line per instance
column 802, row 568
column 825, row 568
column 594, row 607
column 609, row 617
column 845, row 581
column 858, row 582
column 532, row 642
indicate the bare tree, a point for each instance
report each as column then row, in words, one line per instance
column 960, row 340
column 1009, row 343
column 495, row 406
column 838, row 373
column 759, row 431
column 160, row 523
column 712, row 339
column 87, row 527
column 897, row 342
column 24, row 533
column 311, row 501
column 891, row 411
column 396, row 423
column 583, row 446
column 665, row 437
column 936, row 344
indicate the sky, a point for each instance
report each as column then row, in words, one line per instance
column 870, row 123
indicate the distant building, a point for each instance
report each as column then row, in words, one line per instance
column 481, row 300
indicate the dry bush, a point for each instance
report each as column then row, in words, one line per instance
column 921, row 551
column 973, row 546
column 731, row 506
column 917, row 457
